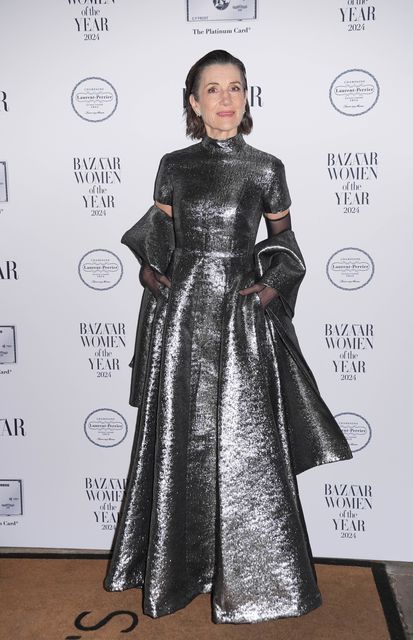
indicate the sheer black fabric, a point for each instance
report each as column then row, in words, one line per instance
column 277, row 226
column 150, row 278
column 266, row 292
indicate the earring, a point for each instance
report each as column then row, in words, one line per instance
column 198, row 114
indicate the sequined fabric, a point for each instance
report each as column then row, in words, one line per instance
column 228, row 410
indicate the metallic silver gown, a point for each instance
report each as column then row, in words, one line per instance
column 228, row 409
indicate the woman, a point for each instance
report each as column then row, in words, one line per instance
column 229, row 412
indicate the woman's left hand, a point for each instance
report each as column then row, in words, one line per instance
column 265, row 293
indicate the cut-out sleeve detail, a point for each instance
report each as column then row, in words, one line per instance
column 277, row 216
column 277, row 226
column 162, row 207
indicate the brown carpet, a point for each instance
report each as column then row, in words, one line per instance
column 42, row 598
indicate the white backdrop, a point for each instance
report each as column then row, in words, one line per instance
column 90, row 99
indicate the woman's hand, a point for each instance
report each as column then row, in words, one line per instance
column 150, row 278
column 265, row 293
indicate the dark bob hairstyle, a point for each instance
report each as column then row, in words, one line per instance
column 195, row 127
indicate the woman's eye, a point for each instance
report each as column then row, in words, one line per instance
column 234, row 88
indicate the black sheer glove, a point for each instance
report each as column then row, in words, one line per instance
column 277, row 226
column 265, row 292
column 150, row 278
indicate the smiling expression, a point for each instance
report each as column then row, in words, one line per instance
column 221, row 100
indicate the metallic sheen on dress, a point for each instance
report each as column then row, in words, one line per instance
column 228, row 409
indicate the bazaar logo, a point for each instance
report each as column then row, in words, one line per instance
column 350, row 268
column 8, row 270
column 12, row 427
column 100, row 269
column 3, row 101
column 354, row 92
column 94, row 99
column 356, row 430
column 105, row 428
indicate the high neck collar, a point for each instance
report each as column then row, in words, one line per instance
column 228, row 146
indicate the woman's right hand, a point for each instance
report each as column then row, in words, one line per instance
column 150, row 278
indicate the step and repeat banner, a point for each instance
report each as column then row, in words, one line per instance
column 91, row 97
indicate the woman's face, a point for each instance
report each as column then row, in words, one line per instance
column 221, row 100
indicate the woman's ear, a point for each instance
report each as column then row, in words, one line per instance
column 194, row 103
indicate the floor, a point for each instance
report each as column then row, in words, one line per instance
column 400, row 576
column 401, row 580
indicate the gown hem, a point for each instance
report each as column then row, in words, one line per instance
column 222, row 617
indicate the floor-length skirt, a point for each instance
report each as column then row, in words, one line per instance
column 228, row 415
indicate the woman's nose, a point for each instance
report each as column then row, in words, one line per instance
column 226, row 96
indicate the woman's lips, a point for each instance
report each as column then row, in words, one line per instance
column 225, row 114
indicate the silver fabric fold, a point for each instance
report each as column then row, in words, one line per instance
column 152, row 239
column 280, row 264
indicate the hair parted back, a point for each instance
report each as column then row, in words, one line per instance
column 195, row 127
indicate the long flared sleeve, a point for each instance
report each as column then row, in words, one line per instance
column 280, row 264
column 152, row 237
column 278, row 259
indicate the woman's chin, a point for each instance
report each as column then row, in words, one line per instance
column 228, row 127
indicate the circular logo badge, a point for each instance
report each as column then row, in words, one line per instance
column 100, row 269
column 94, row 99
column 105, row 427
column 354, row 92
column 356, row 429
column 350, row 268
